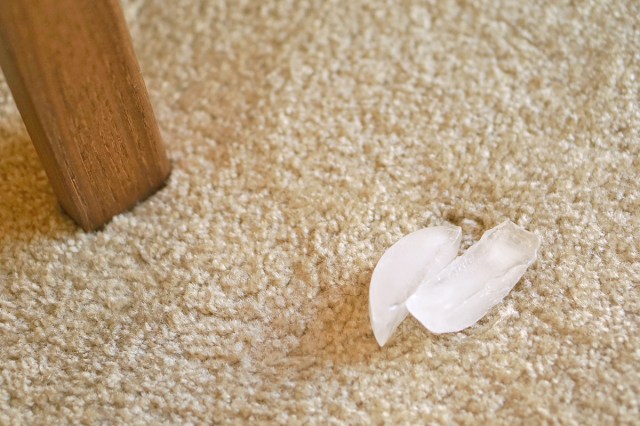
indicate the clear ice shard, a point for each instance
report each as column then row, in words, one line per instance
column 463, row 292
column 402, row 268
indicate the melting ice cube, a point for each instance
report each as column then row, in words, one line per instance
column 402, row 268
column 462, row 293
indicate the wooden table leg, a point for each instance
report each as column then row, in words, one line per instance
column 74, row 76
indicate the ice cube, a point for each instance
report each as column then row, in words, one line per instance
column 402, row 268
column 473, row 283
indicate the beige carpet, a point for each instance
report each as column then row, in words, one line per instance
column 307, row 137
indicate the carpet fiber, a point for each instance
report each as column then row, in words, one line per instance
column 306, row 138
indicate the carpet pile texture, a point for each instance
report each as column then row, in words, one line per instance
column 306, row 138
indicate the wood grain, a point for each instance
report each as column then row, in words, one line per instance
column 74, row 76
